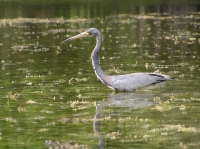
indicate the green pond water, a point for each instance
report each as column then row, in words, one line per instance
column 51, row 97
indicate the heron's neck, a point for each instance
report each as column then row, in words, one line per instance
column 96, row 64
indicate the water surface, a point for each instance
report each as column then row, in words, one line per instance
column 50, row 95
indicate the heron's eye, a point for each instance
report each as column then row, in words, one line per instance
column 90, row 34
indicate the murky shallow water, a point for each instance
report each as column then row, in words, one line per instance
column 50, row 92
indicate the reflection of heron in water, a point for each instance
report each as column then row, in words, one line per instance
column 125, row 82
column 131, row 100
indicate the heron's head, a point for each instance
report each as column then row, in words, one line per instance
column 90, row 31
column 93, row 31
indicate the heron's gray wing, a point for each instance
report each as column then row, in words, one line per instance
column 137, row 80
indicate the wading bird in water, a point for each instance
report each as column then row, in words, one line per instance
column 125, row 82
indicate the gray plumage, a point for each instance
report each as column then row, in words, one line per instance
column 125, row 82
column 137, row 80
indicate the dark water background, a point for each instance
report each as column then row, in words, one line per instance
column 50, row 96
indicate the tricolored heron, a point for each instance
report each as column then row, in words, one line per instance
column 125, row 82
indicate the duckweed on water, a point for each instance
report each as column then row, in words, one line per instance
column 67, row 145
column 11, row 120
column 77, row 80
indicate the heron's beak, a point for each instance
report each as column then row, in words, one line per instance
column 84, row 34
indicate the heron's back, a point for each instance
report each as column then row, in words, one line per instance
column 137, row 80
